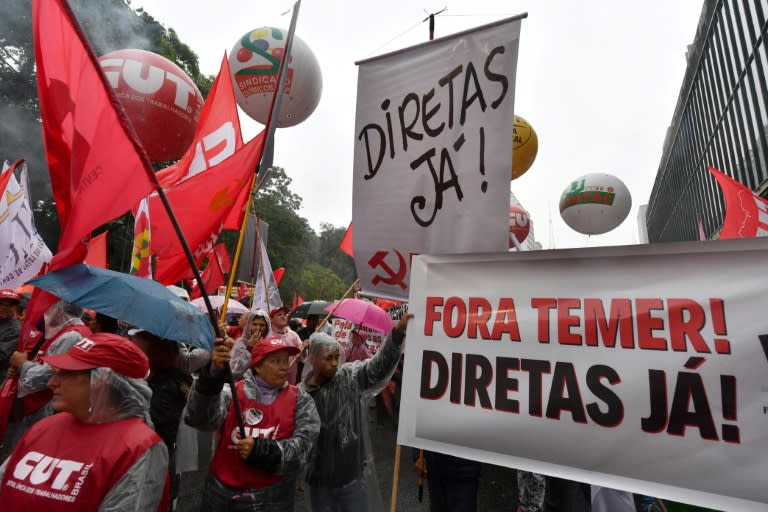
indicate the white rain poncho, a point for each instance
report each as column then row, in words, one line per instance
column 115, row 397
column 241, row 354
column 343, row 456
column 34, row 375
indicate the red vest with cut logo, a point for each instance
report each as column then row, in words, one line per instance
column 35, row 401
column 273, row 421
column 63, row 464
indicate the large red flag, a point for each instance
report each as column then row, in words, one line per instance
column 98, row 168
column 201, row 204
column 346, row 242
column 746, row 213
column 217, row 136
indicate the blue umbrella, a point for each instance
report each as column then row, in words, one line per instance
column 141, row 302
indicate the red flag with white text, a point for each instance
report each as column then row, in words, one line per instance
column 201, row 204
column 746, row 213
column 97, row 166
column 217, row 136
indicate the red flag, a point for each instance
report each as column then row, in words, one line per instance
column 97, row 251
column 5, row 177
column 294, row 303
column 346, row 242
column 97, row 166
column 300, row 301
column 222, row 257
column 746, row 213
column 217, row 136
column 278, row 273
column 194, row 290
column 212, row 276
column 201, row 204
column 242, row 291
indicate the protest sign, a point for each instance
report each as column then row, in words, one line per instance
column 642, row 368
column 341, row 330
column 433, row 153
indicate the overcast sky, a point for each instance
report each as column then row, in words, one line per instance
column 597, row 79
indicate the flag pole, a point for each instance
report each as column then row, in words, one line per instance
column 262, row 170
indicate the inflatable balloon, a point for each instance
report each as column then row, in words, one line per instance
column 519, row 224
column 525, row 145
column 161, row 101
column 594, row 204
column 255, row 60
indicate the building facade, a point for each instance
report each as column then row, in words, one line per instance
column 721, row 120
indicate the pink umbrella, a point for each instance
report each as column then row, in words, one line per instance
column 362, row 312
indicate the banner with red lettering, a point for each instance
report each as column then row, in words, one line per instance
column 433, row 153
column 606, row 365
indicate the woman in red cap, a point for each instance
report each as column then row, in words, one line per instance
column 97, row 453
column 281, row 424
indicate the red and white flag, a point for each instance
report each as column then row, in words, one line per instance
column 746, row 213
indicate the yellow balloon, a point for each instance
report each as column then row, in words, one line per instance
column 525, row 145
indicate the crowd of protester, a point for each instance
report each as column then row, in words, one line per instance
column 129, row 411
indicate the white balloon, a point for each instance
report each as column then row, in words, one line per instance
column 595, row 203
column 254, row 62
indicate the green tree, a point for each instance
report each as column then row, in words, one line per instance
column 291, row 239
column 329, row 255
column 319, row 282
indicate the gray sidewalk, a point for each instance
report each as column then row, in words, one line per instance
column 498, row 486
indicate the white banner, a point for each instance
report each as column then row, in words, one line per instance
column 265, row 293
column 25, row 252
column 433, row 153
column 643, row 368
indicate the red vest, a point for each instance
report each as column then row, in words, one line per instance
column 64, row 464
column 273, row 421
column 36, row 401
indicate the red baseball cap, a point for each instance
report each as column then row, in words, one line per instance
column 275, row 311
column 103, row 350
column 9, row 295
column 268, row 345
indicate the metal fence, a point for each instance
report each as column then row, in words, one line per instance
column 721, row 119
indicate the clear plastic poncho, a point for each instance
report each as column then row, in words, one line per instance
column 116, row 397
column 59, row 316
column 343, row 455
column 240, row 355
